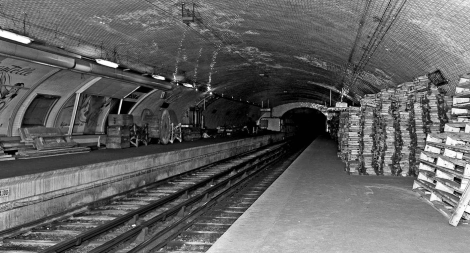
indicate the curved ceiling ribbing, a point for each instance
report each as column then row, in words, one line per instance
column 365, row 44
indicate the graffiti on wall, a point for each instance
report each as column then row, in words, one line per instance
column 17, row 78
column 16, row 70
column 8, row 93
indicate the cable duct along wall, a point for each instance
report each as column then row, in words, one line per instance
column 79, row 65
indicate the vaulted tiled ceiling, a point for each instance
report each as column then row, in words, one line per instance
column 281, row 50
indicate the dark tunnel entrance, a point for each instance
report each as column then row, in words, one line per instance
column 307, row 123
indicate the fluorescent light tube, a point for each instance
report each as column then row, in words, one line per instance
column 188, row 85
column 107, row 63
column 158, row 77
column 15, row 37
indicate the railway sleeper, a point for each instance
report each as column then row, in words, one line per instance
column 120, row 205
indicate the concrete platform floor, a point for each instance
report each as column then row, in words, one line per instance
column 315, row 207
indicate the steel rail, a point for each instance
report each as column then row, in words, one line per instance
column 231, row 183
column 76, row 241
column 24, row 227
column 157, row 242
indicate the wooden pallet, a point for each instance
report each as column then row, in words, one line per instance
column 425, row 191
column 444, row 171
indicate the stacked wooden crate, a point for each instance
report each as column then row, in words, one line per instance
column 348, row 137
column 444, row 109
column 394, row 124
column 388, row 121
column 444, row 170
column 433, row 111
column 419, row 120
column 368, row 105
column 118, row 135
column 461, row 101
column 418, row 134
column 342, row 135
column 413, row 135
column 354, row 136
column 379, row 140
column 403, row 135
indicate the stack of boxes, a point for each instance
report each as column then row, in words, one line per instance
column 388, row 123
column 404, row 146
column 354, row 137
column 379, row 138
column 433, row 124
column 461, row 101
column 349, row 138
column 444, row 168
column 342, row 135
column 393, row 128
column 368, row 132
column 118, row 135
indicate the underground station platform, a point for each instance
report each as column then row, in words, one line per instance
column 315, row 207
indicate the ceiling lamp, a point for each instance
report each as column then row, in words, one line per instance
column 188, row 85
column 107, row 63
column 15, row 37
column 158, row 77
column 178, row 77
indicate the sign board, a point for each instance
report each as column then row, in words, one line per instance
column 273, row 124
column 341, row 104
column 337, row 109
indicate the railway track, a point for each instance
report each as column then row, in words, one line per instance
column 126, row 222
column 203, row 227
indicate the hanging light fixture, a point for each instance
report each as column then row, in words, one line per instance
column 107, row 63
column 159, row 77
column 188, row 85
column 15, row 37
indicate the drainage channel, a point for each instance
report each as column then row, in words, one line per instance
column 205, row 224
column 131, row 217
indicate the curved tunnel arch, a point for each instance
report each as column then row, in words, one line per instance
column 306, row 122
column 326, row 45
column 280, row 110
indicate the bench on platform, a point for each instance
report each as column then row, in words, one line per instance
column 48, row 141
column 46, row 138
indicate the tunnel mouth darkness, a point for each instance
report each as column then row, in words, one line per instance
column 306, row 122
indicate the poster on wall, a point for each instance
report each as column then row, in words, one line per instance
column 65, row 114
column 91, row 114
column 108, row 105
column 16, row 79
